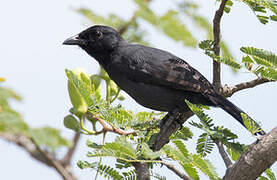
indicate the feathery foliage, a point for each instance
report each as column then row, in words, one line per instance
column 261, row 8
column 207, row 46
column 261, row 62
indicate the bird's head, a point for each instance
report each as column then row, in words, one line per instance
column 97, row 40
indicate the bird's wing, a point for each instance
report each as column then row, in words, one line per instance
column 157, row 67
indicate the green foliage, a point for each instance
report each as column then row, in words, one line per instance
column 184, row 133
column 173, row 27
column 228, row 5
column 204, row 144
column 270, row 174
column 184, row 161
column 251, row 125
column 12, row 122
column 235, row 149
column 260, row 8
column 133, row 33
column 48, row 137
column 80, row 89
column 207, row 46
column 189, row 161
column 206, row 141
column 261, row 62
column 169, row 23
column 105, row 170
column 71, row 123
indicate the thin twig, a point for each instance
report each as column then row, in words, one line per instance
column 108, row 127
column 176, row 171
column 216, row 48
column 67, row 175
column 125, row 26
column 68, row 156
column 230, row 90
column 223, row 154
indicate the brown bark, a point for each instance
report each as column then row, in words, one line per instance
column 257, row 158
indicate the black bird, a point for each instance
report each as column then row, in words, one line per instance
column 156, row 79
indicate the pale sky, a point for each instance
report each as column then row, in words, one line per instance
column 33, row 61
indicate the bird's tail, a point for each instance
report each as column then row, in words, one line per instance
column 233, row 110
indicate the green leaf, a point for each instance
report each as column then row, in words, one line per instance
column 207, row 46
column 174, row 28
column 169, row 23
column 206, row 121
column 233, row 154
column 71, row 123
column 148, row 153
column 251, row 125
column 93, row 145
column 263, row 19
column 145, row 13
column 6, row 93
column 261, row 7
column 112, row 20
column 12, row 122
column 204, row 24
column 185, row 161
column 80, row 90
column 85, row 164
column 79, row 104
column 273, row 18
column 262, row 54
column 121, row 97
column 235, row 149
column 270, row 174
column 262, row 178
column 205, row 166
column 181, row 147
column 204, row 144
column 96, row 81
column 183, row 134
column 48, row 137
column 120, row 149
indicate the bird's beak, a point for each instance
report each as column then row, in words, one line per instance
column 75, row 40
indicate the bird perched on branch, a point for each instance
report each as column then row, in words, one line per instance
column 156, row 79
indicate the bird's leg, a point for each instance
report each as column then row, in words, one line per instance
column 163, row 121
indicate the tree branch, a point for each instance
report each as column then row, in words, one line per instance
column 37, row 153
column 26, row 144
column 68, row 156
column 216, row 48
column 223, row 154
column 176, row 171
column 67, row 175
column 230, row 90
column 257, row 158
column 142, row 170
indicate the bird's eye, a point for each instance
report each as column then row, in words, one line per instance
column 98, row 34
